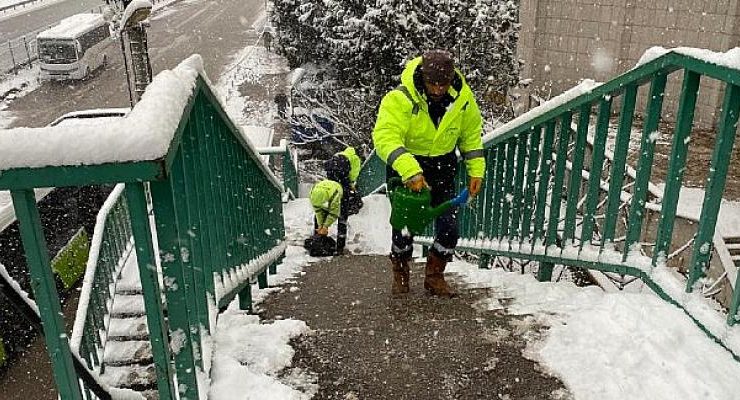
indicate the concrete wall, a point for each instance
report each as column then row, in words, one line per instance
column 564, row 41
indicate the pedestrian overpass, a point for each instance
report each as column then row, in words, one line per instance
column 197, row 213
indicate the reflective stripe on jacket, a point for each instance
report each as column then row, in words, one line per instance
column 404, row 128
column 326, row 199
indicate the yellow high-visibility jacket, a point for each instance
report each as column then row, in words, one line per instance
column 354, row 163
column 326, row 199
column 405, row 129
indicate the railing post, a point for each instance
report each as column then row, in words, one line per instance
column 576, row 176
column 245, row 298
column 28, row 52
column 529, row 201
column 616, row 177
column 180, row 308
column 142, row 232
column 644, row 168
column 597, row 165
column 12, row 57
column 518, row 188
column 715, row 185
column 679, row 149
column 45, row 293
column 544, row 180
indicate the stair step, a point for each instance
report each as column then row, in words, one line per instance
column 128, row 291
column 121, row 329
column 135, row 376
column 129, row 280
column 128, row 306
column 129, row 352
column 733, row 246
column 732, row 240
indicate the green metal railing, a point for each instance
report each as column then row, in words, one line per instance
column 112, row 243
column 282, row 160
column 550, row 198
column 218, row 222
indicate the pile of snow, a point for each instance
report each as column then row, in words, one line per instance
column 248, row 356
column 612, row 345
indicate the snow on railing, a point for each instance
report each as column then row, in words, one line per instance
column 226, row 282
column 88, row 282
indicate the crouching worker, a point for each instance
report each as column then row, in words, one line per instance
column 326, row 199
column 345, row 166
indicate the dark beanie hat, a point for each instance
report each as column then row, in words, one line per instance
column 437, row 67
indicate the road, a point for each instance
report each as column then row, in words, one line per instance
column 215, row 29
column 15, row 26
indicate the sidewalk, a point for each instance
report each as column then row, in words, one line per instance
column 366, row 345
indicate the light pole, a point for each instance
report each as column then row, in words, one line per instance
column 133, row 33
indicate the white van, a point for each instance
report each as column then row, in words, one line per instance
column 74, row 48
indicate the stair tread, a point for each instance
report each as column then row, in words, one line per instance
column 128, row 305
column 132, row 328
column 129, row 280
column 130, row 376
column 127, row 352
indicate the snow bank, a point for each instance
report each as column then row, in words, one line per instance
column 249, row 355
column 611, row 345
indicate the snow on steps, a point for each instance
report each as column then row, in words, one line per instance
column 128, row 359
column 128, row 306
column 129, row 352
column 128, row 328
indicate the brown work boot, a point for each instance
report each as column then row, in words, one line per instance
column 401, row 272
column 434, row 282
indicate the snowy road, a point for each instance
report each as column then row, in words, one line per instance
column 44, row 14
column 213, row 28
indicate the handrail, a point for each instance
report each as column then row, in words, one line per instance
column 217, row 210
column 289, row 166
column 111, row 244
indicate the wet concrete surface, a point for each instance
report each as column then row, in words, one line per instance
column 367, row 345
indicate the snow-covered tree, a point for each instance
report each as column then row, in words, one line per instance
column 364, row 45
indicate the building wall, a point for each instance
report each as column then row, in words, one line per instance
column 565, row 41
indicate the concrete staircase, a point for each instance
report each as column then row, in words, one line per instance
column 127, row 360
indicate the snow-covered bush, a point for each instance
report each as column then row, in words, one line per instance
column 364, row 45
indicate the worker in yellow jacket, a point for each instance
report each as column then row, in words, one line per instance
column 347, row 163
column 418, row 128
column 326, row 198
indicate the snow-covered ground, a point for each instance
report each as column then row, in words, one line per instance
column 602, row 345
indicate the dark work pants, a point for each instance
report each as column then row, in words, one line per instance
column 439, row 173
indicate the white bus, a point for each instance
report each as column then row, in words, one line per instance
column 74, row 48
